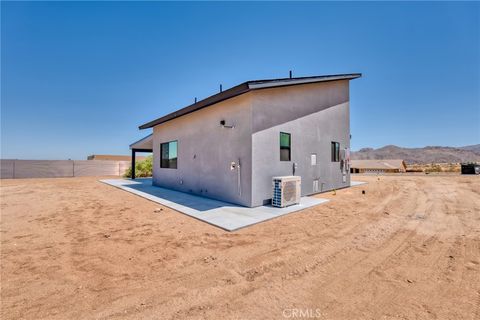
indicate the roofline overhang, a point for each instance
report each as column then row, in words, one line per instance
column 144, row 138
column 244, row 88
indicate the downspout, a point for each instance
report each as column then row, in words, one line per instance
column 239, row 182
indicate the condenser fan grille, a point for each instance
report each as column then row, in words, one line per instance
column 289, row 190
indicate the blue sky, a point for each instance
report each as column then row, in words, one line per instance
column 78, row 78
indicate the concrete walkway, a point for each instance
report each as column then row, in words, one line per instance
column 225, row 215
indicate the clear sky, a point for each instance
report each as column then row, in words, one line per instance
column 78, row 78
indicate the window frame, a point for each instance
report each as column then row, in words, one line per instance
column 335, row 151
column 289, row 148
column 169, row 159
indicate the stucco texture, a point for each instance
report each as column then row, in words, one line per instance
column 206, row 151
column 314, row 114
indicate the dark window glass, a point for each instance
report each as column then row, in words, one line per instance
column 335, row 151
column 168, row 155
column 285, row 146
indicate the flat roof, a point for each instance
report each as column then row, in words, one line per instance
column 246, row 87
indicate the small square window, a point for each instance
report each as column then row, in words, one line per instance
column 313, row 159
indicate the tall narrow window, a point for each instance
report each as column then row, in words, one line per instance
column 285, row 146
column 335, row 151
column 168, row 155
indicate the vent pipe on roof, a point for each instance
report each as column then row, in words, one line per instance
column 290, row 73
column 195, row 99
column 221, row 89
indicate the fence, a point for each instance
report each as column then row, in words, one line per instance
column 17, row 169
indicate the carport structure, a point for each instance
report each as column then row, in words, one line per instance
column 142, row 145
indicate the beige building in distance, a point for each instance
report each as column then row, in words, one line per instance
column 378, row 166
column 113, row 157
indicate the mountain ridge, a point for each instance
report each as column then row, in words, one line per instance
column 428, row 154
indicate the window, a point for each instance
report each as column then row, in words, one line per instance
column 285, row 146
column 313, row 159
column 168, row 155
column 335, row 151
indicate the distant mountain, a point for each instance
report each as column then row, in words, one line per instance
column 427, row 154
column 475, row 148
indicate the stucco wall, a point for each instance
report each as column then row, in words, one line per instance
column 206, row 150
column 314, row 115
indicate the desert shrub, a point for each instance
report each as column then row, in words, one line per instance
column 433, row 168
column 452, row 167
column 142, row 168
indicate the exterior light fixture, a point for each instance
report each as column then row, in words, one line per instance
column 223, row 124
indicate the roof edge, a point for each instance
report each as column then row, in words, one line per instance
column 261, row 84
column 244, row 88
column 216, row 98
column 144, row 138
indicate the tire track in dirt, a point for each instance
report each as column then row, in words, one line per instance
column 296, row 273
column 443, row 260
column 342, row 230
column 263, row 272
column 374, row 261
column 350, row 257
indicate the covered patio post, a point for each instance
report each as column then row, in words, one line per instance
column 133, row 164
column 142, row 145
column 134, row 152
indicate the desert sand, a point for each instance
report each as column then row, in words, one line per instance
column 75, row 248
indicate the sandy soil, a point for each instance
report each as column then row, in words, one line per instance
column 78, row 249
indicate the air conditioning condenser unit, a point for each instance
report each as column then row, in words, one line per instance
column 286, row 191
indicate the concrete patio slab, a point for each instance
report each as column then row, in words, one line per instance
column 225, row 215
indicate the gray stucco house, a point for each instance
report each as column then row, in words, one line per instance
column 230, row 145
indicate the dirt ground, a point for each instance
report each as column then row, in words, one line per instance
column 409, row 248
